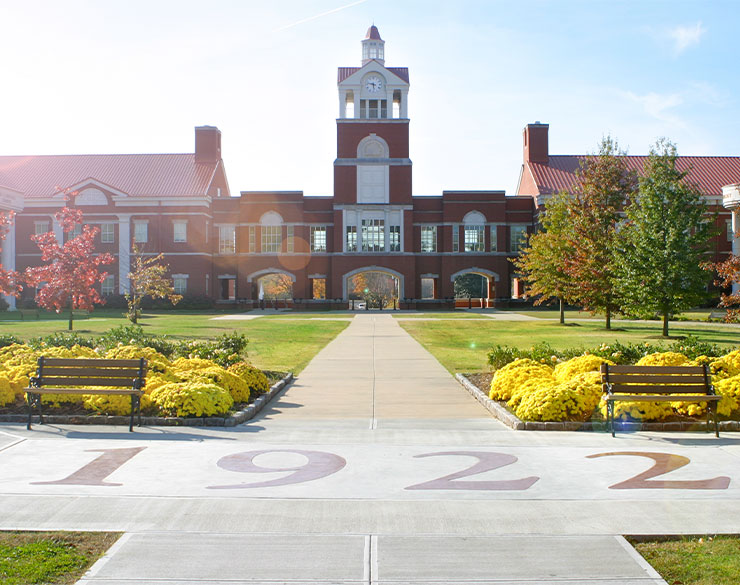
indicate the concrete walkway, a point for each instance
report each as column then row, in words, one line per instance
column 374, row 467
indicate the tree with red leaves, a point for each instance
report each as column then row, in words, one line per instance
column 9, row 279
column 729, row 273
column 72, row 270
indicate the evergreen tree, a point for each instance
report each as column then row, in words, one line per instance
column 664, row 241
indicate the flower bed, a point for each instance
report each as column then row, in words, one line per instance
column 558, row 387
column 181, row 384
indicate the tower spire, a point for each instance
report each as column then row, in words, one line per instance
column 373, row 47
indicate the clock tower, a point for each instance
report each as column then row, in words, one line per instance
column 372, row 166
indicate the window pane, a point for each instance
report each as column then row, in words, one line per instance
column 429, row 238
column 141, row 232
column 252, row 240
column 227, row 239
column 180, row 284
column 272, row 239
column 180, row 231
column 40, row 227
column 475, row 238
column 455, row 238
column 373, row 235
column 107, row 233
column 395, row 238
column 290, row 247
column 108, row 287
column 318, row 239
column 518, row 237
column 351, row 238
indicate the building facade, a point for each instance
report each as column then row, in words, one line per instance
column 221, row 246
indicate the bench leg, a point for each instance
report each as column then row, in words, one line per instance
column 716, row 423
column 34, row 399
column 610, row 416
column 133, row 410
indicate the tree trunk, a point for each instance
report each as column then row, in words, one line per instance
column 71, row 316
column 665, row 323
column 608, row 318
column 562, row 312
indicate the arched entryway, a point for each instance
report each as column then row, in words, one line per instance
column 271, row 286
column 377, row 287
column 474, row 287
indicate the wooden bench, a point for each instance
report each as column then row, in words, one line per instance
column 658, row 384
column 87, row 376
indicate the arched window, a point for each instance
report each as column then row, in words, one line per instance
column 475, row 231
column 272, row 232
column 372, row 146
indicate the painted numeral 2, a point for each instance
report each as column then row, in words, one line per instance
column 663, row 463
column 486, row 462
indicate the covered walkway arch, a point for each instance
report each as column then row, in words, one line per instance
column 389, row 271
column 491, row 279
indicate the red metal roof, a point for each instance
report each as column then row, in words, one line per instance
column 373, row 33
column 138, row 175
column 345, row 72
column 708, row 173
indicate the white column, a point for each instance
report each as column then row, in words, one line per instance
column 124, row 252
column 8, row 259
column 404, row 104
column 356, row 95
column 389, row 103
column 58, row 231
column 358, row 215
column 387, row 230
column 343, row 103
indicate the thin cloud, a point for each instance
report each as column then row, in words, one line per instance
column 659, row 106
column 684, row 37
column 314, row 17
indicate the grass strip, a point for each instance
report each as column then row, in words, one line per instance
column 53, row 558
column 693, row 560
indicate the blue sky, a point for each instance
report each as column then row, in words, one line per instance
column 135, row 76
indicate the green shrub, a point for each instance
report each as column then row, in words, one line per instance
column 66, row 339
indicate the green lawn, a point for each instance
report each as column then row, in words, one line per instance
column 274, row 344
column 694, row 560
column 54, row 558
column 463, row 347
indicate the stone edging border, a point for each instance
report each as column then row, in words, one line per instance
column 237, row 418
column 500, row 413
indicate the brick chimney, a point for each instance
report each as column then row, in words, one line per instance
column 207, row 144
column 536, row 143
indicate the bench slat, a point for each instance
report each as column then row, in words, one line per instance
column 657, row 389
column 90, row 371
column 654, row 379
column 671, row 398
column 71, row 381
column 652, row 369
column 91, row 362
column 83, row 391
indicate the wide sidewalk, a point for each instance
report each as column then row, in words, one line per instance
column 375, row 466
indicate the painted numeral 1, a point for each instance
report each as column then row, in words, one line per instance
column 95, row 472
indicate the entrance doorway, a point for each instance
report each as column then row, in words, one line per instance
column 373, row 289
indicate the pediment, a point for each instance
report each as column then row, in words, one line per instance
column 10, row 199
column 91, row 192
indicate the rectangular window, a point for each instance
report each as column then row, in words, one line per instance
column 395, row 238
column 351, row 238
column 373, row 235
column 107, row 233
column 227, row 239
column 272, row 239
column 290, row 246
column 373, row 109
column 40, row 227
column 180, row 284
column 429, row 238
column 74, row 233
column 318, row 238
column 518, row 237
column 108, row 286
column 319, row 288
column 141, row 232
column 455, row 238
column 252, row 240
column 180, row 231
column 427, row 288
column 475, row 238
column 730, row 234
column 494, row 239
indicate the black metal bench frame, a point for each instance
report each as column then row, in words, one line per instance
column 658, row 384
column 87, row 376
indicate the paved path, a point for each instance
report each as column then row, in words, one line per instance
column 375, row 466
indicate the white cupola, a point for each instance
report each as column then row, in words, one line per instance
column 373, row 47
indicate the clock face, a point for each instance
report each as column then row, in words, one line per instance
column 374, row 84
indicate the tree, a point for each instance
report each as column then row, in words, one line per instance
column 729, row 274
column 605, row 186
column 71, row 272
column 542, row 262
column 375, row 288
column 277, row 286
column 148, row 279
column 664, row 241
column 469, row 285
column 9, row 279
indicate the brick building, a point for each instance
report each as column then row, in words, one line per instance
column 220, row 246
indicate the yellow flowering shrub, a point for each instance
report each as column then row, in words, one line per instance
column 507, row 379
column 547, row 400
column 579, row 365
column 255, row 379
column 237, row 387
column 7, row 393
column 198, row 397
column 155, row 360
column 664, row 358
column 729, row 389
column 725, row 367
column 188, row 364
column 113, row 404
